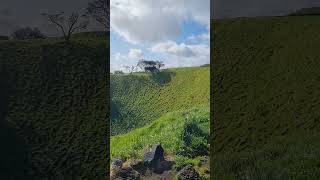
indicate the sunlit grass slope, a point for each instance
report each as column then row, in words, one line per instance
column 139, row 99
column 266, row 86
column 167, row 130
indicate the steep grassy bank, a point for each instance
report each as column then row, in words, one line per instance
column 167, row 130
column 57, row 107
column 183, row 134
column 265, row 86
column 138, row 99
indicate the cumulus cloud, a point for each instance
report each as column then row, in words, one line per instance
column 120, row 60
column 149, row 21
column 181, row 50
column 177, row 61
column 135, row 54
column 183, row 55
column 173, row 55
column 156, row 25
column 205, row 37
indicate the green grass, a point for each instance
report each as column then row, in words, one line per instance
column 55, row 108
column 265, row 85
column 168, row 130
column 183, row 134
column 139, row 99
column 295, row 157
column 170, row 107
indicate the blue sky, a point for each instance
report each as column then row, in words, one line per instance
column 176, row 32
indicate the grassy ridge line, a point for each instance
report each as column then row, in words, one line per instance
column 265, row 85
column 139, row 99
column 166, row 130
column 57, row 105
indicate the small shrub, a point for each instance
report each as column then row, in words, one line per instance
column 27, row 33
column 194, row 140
column 182, row 161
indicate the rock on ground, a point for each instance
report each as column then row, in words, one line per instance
column 188, row 173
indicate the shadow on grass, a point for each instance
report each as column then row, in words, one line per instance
column 13, row 151
column 284, row 157
column 162, row 77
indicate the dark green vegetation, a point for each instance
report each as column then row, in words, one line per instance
column 266, row 89
column 139, row 99
column 170, row 107
column 53, row 118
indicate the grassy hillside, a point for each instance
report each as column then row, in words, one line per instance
column 183, row 134
column 167, row 130
column 266, row 89
column 170, row 107
column 53, row 109
column 139, row 99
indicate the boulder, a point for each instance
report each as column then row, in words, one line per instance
column 117, row 163
column 126, row 174
column 138, row 166
column 153, row 158
column 156, row 152
column 188, row 173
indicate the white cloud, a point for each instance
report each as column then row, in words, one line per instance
column 135, row 54
column 149, row 21
column 173, row 55
column 183, row 55
column 205, row 37
column 176, row 61
column 120, row 60
column 181, row 50
column 156, row 25
column 172, row 48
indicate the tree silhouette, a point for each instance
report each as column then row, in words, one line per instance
column 68, row 25
column 100, row 11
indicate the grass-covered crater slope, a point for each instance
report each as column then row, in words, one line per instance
column 139, row 98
